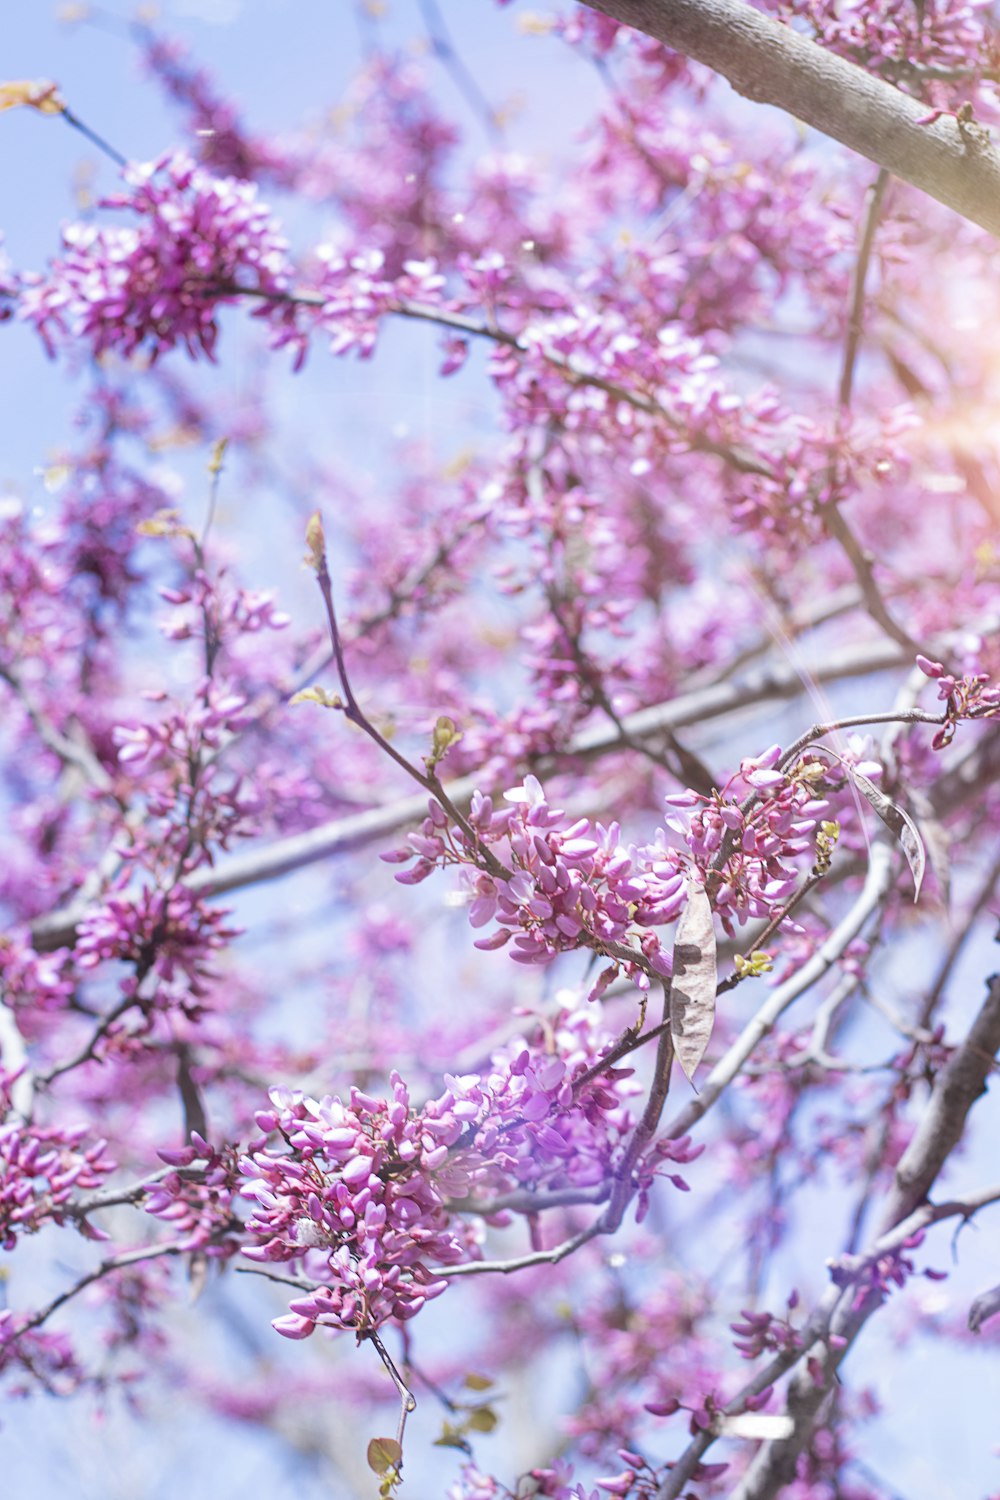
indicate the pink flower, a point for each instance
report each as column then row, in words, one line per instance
column 199, row 241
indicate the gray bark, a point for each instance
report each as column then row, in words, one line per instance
column 770, row 63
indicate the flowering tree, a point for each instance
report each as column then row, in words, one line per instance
column 670, row 679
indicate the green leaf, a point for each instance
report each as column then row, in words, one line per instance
column 317, row 695
column 37, row 93
column 482, row 1419
column 451, row 1437
column 477, row 1382
column 446, row 734
column 384, row 1454
column 316, row 542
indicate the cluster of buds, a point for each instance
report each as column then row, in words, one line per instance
column 357, row 294
column 169, row 933
column 969, row 697
column 196, row 1197
column 565, row 886
column 352, row 1198
column 215, row 712
column 762, row 1332
column 41, row 1168
column 743, row 847
column 879, row 1274
column 46, row 1358
column 368, row 1195
column 551, row 888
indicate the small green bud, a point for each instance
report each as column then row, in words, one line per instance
column 446, row 734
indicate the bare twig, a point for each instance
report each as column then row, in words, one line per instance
column 407, row 1401
column 106, row 1268
column 353, row 711
column 95, row 140
column 451, row 60
column 522, row 1262
column 856, row 316
column 863, row 564
column 524, row 1201
column 623, row 1189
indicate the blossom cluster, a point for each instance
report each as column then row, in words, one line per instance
column 357, row 294
column 919, row 48
column 532, row 1126
column 369, row 1194
column 41, row 1168
column 32, row 982
column 577, row 886
column 352, row 1196
column 215, row 711
column 47, row 1359
column 674, row 1313
column 879, row 1274
column 760, row 1332
column 208, row 608
column 974, row 695
column 568, row 886
column 743, row 847
column 200, row 240
column 198, row 1204
column 167, row 933
column 389, row 174
column 225, row 148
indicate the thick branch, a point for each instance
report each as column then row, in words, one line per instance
column 957, row 1087
column 771, row 64
column 14, row 1057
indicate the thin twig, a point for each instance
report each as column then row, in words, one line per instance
column 95, row 139
column 115, row 1263
column 355, row 714
column 856, row 316
column 522, row 1262
column 624, row 1188
column 407, row 1400
column 444, row 50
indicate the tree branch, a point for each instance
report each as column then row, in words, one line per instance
column 875, row 890
column 106, row 1268
column 772, row 64
column 957, row 1087
column 785, row 680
